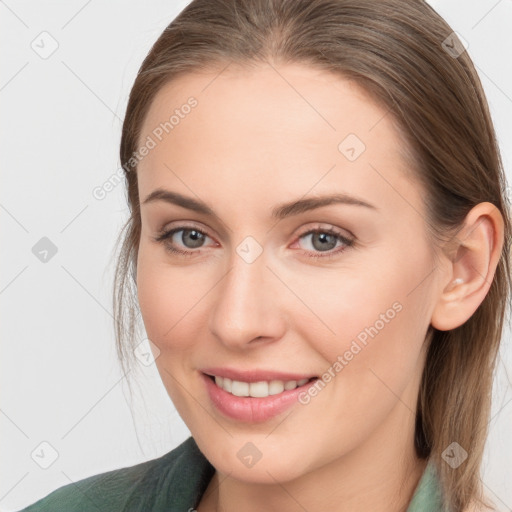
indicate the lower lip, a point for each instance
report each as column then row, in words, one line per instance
column 252, row 409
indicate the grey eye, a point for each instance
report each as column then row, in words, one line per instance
column 191, row 238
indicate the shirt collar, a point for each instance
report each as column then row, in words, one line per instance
column 427, row 496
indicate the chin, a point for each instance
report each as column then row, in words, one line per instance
column 253, row 459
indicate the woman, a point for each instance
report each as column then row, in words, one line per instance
column 318, row 242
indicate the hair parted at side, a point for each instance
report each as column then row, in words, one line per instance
column 393, row 49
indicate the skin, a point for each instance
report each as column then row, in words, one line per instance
column 259, row 137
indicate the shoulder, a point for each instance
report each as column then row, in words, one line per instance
column 137, row 487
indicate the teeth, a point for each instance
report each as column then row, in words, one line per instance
column 260, row 389
column 291, row 384
column 275, row 387
column 227, row 384
column 240, row 388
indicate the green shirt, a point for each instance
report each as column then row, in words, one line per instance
column 174, row 482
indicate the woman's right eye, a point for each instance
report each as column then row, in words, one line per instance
column 190, row 238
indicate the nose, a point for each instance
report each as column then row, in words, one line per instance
column 247, row 308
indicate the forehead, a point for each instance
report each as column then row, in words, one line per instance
column 296, row 101
column 290, row 126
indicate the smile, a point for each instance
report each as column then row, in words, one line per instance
column 256, row 401
column 259, row 389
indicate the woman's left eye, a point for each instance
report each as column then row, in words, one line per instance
column 324, row 240
column 320, row 240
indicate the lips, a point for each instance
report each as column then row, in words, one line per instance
column 254, row 395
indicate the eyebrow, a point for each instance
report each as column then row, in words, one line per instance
column 280, row 212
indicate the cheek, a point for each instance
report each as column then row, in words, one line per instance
column 172, row 299
column 373, row 324
column 170, row 304
column 162, row 299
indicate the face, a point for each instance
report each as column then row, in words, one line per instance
column 318, row 309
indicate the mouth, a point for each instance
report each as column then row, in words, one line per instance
column 256, row 401
column 259, row 389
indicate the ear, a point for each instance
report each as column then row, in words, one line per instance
column 472, row 264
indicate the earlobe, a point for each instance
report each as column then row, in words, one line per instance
column 470, row 272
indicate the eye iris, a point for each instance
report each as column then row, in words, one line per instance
column 196, row 237
column 322, row 237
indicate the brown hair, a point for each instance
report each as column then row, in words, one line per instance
column 407, row 57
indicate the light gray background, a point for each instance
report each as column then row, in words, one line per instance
column 60, row 128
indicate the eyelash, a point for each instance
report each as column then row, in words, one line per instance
column 165, row 235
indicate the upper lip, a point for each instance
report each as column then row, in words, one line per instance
column 255, row 375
